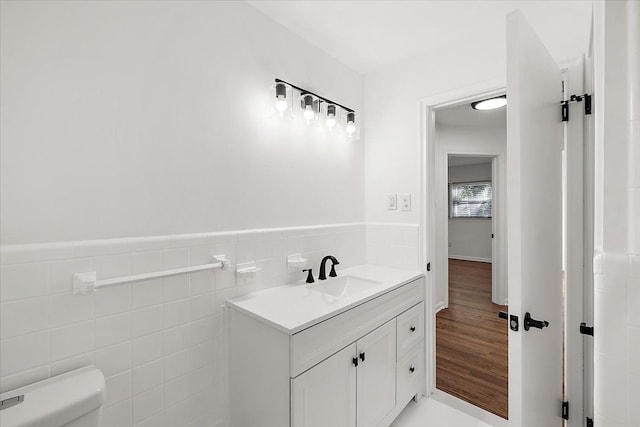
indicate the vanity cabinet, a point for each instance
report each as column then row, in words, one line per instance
column 360, row 379
column 359, row 367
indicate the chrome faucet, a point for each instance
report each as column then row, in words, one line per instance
column 334, row 262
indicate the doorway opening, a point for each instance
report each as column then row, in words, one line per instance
column 471, row 340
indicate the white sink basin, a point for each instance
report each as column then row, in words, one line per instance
column 343, row 286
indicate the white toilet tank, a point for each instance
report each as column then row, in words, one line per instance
column 73, row 399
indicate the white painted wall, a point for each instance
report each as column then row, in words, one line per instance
column 471, row 173
column 470, row 239
column 617, row 213
column 124, row 119
column 393, row 122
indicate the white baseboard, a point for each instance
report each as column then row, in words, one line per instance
column 440, row 306
column 469, row 258
column 503, row 302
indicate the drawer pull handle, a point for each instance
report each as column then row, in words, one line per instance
column 412, row 329
column 355, row 362
column 362, row 356
column 412, row 369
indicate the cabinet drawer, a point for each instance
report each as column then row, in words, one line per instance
column 313, row 345
column 410, row 374
column 410, row 329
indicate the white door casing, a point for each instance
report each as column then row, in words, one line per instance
column 534, row 144
column 499, row 294
column 432, row 242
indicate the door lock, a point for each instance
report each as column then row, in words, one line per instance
column 531, row 322
column 513, row 320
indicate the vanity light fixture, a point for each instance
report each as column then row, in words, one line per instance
column 351, row 123
column 311, row 105
column 490, row 104
column 281, row 97
column 331, row 116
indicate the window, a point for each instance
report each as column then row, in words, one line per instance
column 470, row 200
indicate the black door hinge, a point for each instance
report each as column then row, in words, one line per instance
column 589, row 422
column 575, row 98
column 565, row 111
column 565, row 410
column 428, row 266
column 586, row 330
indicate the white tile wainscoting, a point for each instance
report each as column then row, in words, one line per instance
column 617, row 347
column 393, row 245
column 159, row 343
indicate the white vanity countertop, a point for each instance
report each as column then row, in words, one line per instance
column 292, row 308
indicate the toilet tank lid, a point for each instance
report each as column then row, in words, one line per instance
column 56, row 401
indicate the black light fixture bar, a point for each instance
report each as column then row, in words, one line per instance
column 304, row 91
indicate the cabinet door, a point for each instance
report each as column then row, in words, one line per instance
column 377, row 375
column 325, row 395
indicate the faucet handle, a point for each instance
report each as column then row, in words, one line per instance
column 309, row 275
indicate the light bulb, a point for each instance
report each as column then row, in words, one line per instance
column 308, row 113
column 331, row 116
column 351, row 123
column 281, row 98
column 281, row 105
column 307, row 105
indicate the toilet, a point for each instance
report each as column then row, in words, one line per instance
column 73, row 399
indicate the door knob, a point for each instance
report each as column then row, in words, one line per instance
column 531, row 322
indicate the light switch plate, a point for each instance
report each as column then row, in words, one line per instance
column 392, row 202
column 405, row 202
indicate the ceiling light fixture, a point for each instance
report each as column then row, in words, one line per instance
column 490, row 104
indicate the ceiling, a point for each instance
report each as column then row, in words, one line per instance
column 369, row 35
column 464, row 115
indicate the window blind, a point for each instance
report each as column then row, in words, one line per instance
column 471, row 200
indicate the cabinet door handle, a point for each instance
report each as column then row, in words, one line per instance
column 355, row 362
column 362, row 356
column 412, row 369
column 412, row 329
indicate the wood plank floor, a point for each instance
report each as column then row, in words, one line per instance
column 471, row 341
